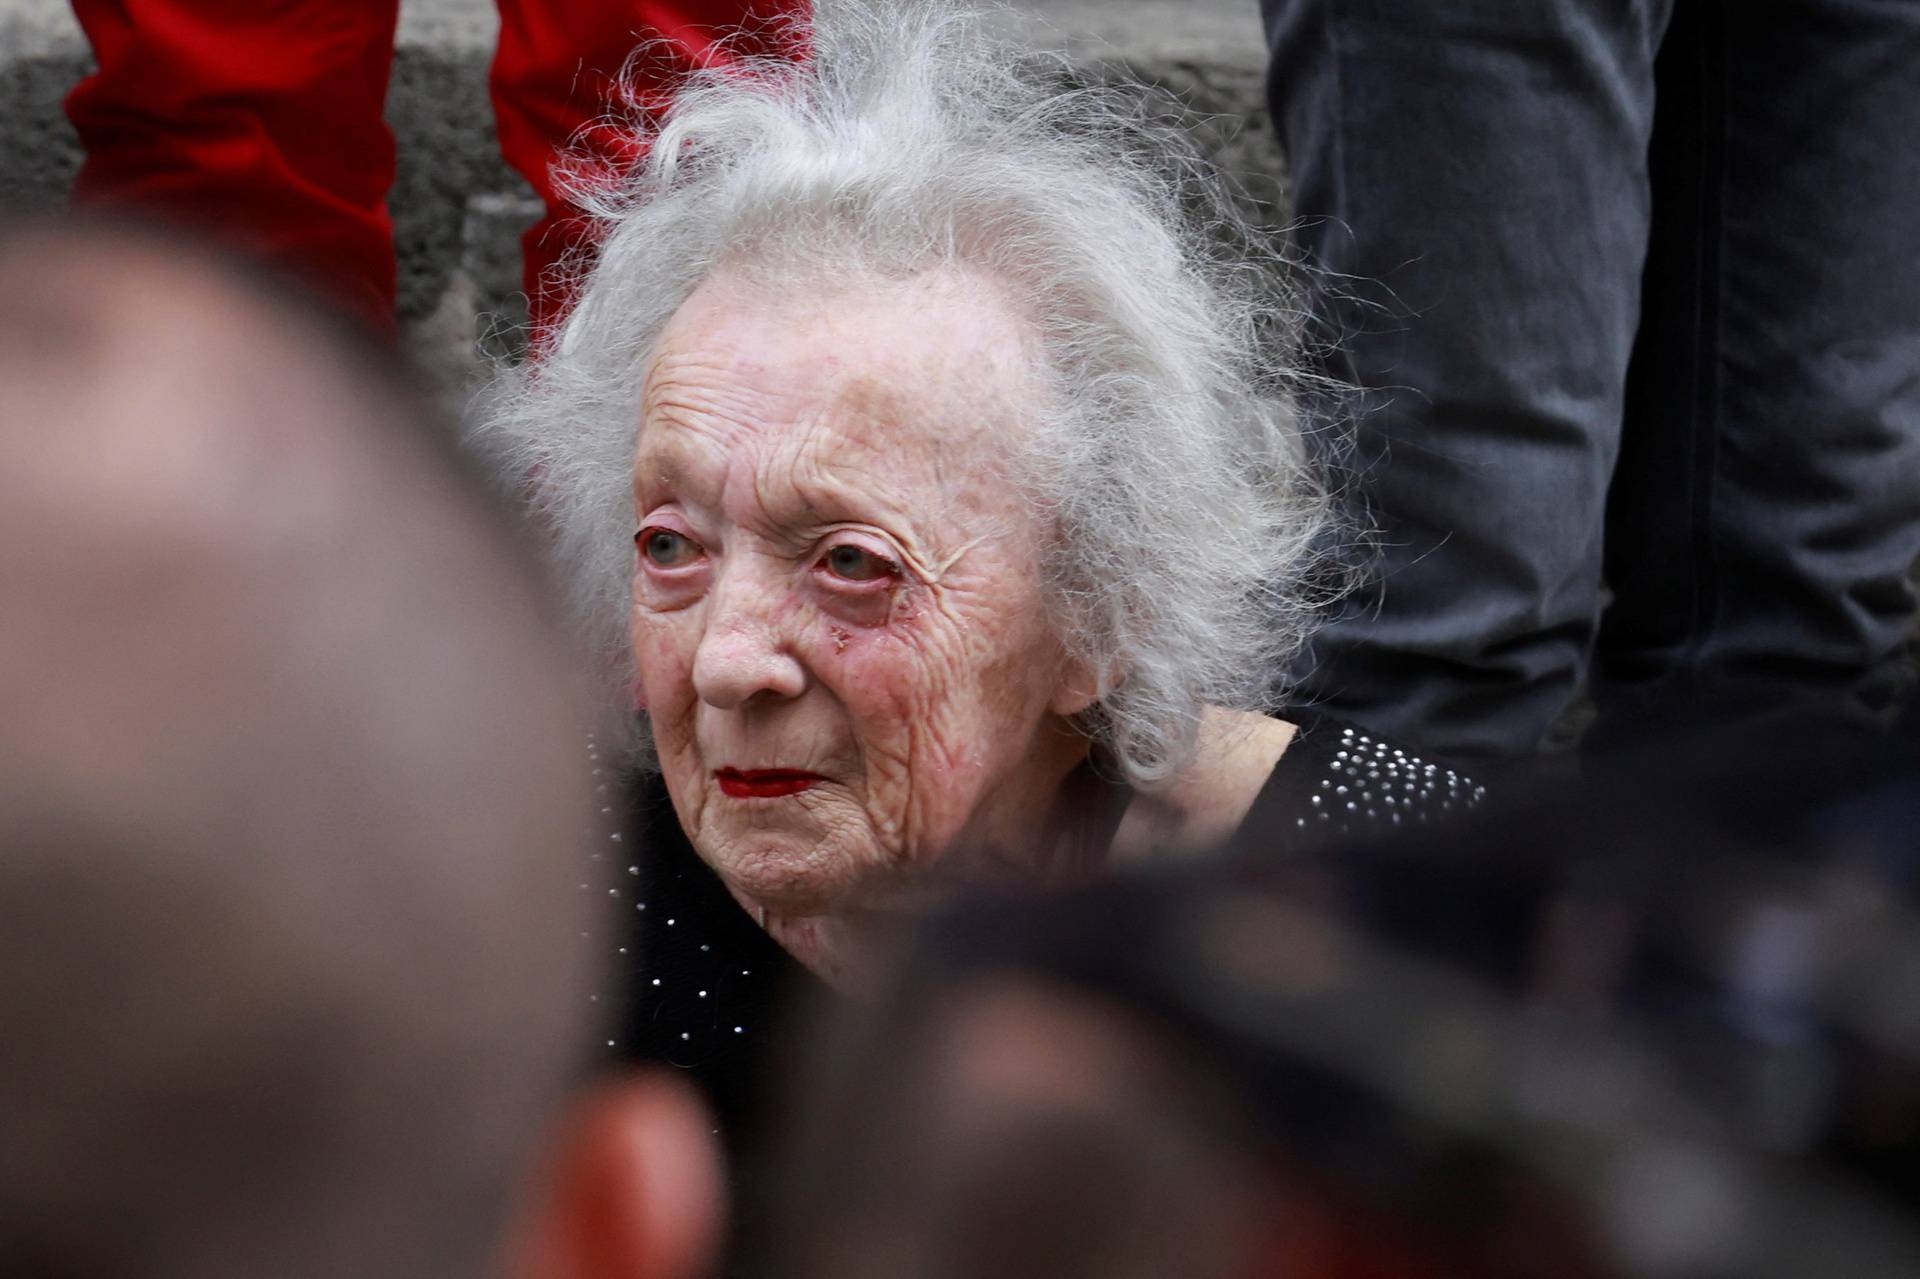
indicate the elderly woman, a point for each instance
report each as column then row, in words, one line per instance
column 925, row 465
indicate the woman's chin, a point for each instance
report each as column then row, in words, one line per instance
column 769, row 872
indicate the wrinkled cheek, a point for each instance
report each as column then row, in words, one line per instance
column 663, row 677
column 946, row 769
column 922, row 767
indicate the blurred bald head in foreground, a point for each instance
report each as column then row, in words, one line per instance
column 292, row 784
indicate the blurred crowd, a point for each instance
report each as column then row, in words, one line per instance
column 967, row 711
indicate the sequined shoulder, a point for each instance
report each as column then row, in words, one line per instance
column 1339, row 779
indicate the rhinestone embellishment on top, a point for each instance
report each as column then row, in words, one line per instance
column 622, row 968
column 1387, row 785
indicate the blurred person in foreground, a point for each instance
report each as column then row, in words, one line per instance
column 923, row 455
column 1662, row 1026
column 292, row 966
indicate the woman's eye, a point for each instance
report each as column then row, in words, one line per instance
column 854, row 564
column 664, row 548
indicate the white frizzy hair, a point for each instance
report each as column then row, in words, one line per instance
column 1165, row 459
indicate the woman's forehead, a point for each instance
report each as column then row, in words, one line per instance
column 946, row 334
column 900, row 376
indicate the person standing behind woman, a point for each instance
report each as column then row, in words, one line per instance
column 1647, row 314
column 265, row 123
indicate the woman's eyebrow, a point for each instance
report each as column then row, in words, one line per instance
column 793, row 515
column 662, row 464
column 863, row 499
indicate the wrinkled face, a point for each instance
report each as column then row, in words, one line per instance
column 837, row 607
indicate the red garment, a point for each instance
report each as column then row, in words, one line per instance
column 261, row 120
column 264, row 120
column 556, row 77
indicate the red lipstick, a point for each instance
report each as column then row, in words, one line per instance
column 764, row 783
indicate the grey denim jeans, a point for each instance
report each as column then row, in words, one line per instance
column 1630, row 294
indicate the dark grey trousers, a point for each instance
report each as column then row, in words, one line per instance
column 1631, row 293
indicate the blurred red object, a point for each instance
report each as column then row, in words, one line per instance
column 264, row 123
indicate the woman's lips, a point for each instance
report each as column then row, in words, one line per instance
column 764, row 783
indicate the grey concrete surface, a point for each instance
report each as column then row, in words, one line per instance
column 457, row 208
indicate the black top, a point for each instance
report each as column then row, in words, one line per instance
column 1338, row 780
column 695, row 982
column 704, row 985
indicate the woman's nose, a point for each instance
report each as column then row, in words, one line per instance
column 742, row 652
